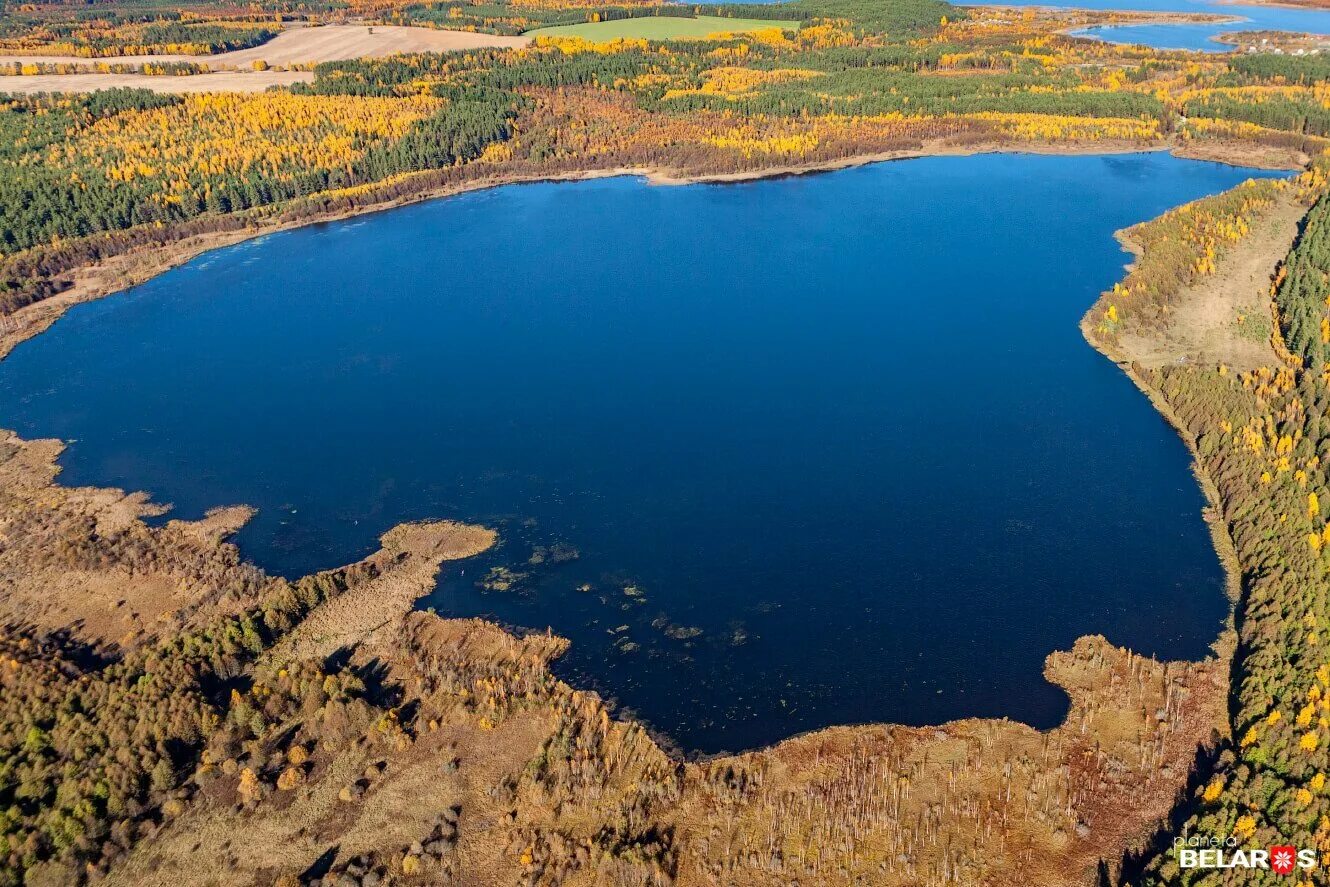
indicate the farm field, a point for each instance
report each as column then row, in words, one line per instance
column 663, row 28
column 215, row 81
column 297, row 46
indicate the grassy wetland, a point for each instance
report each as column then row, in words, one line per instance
column 173, row 714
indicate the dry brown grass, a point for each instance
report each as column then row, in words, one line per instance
column 1225, row 317
column 141, row 584
column 357, row 617
column 978, row 801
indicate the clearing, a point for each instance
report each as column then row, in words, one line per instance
column 662, row 27
column 1226, row 317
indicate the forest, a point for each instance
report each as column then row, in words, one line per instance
column 106, row 744
column 1260, row 436
column 111, row 37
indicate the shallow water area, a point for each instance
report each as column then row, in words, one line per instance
column 774, row 455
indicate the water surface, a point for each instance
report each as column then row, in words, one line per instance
column 1199, row 37
column 830, row 449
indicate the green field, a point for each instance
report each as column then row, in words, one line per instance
column 661, row 27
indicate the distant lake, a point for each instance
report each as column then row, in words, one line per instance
column 1195, row 37
column 828, row 449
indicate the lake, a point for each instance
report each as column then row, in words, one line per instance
column 774, row 455
column 1194, row 37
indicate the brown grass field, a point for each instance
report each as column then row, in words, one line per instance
column 304, row 45
column 233, row 71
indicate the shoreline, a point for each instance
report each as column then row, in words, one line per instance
column 1084, row 30
column 1213, row 513
column 1228, row 647
column 133, row 268
column 145, row 264
column 1106, row 685
column 1304, row 5
column 137, row 266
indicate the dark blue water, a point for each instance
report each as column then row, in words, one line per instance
column 839, row 436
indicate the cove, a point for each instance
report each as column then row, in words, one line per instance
column 828, row 449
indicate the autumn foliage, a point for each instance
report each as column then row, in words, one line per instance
column 101, row 751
